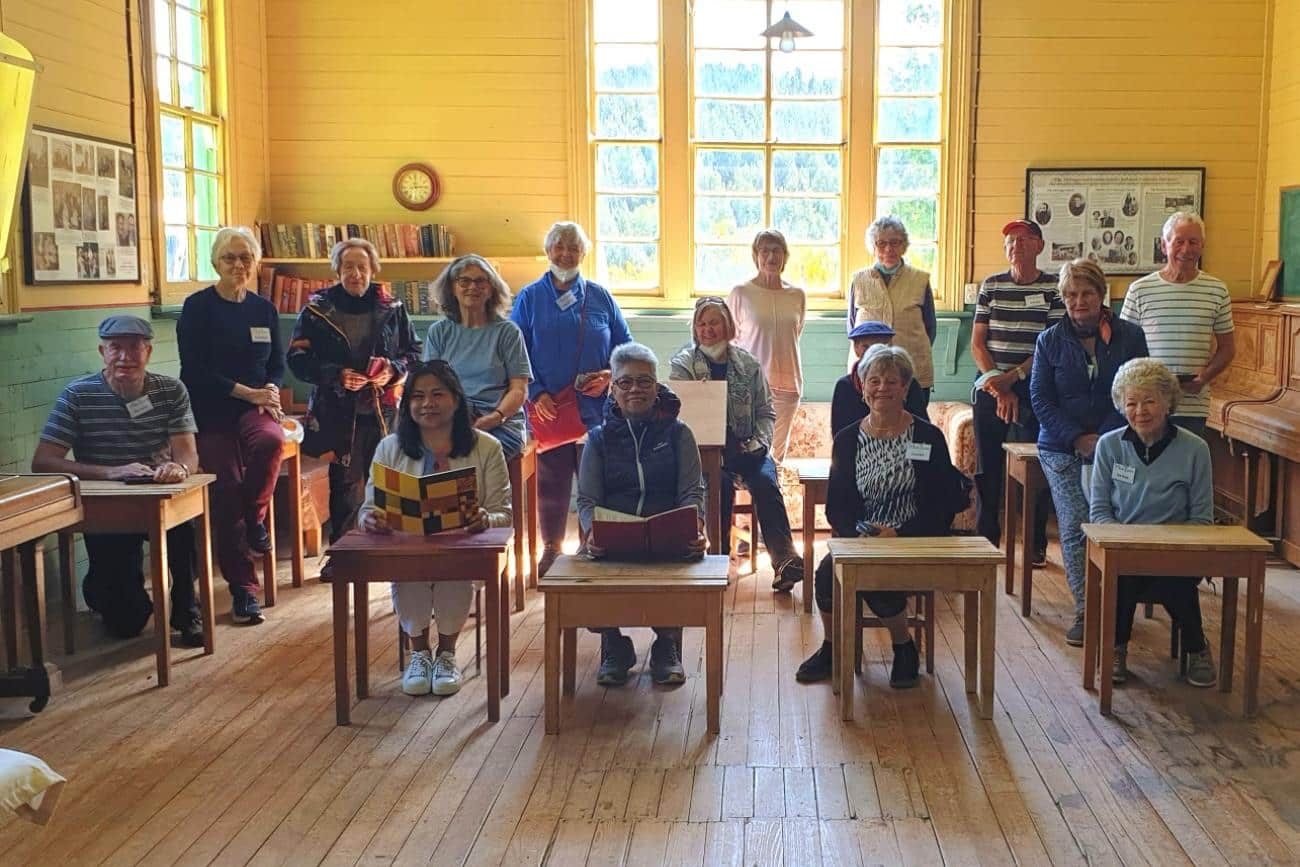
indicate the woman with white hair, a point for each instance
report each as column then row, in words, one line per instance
column 232, row 363
column 484, row 348
column 354, row 343
column 1154, row 472
column 570, row 326
column 893, row 292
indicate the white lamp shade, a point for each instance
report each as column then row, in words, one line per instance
column 17, row 81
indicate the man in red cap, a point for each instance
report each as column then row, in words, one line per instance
column 1013, row 308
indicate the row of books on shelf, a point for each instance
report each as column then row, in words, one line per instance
column 290, row 294
column 392, row 240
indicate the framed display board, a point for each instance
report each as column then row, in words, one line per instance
column 1112, row 216
column 1288, row 241
column 79, row 210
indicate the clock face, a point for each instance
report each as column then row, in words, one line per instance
column 415, row 186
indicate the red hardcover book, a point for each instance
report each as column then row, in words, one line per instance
column 661, row 536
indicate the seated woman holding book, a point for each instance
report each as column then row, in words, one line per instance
column 1154, row 472
column 890, row 476
column 484, row 346
column 434, row 434
column 711, row 355
column 642, row 461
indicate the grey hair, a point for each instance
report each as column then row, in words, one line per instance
column 1176, row 219
column 445, row 294
column 229, row 233
column 566, row 229
column 887, row 357
column 881, row 224
column 1145, row 373
column 337, row 251
column 630, row 353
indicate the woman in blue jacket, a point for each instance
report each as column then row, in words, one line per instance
column 1074, row 365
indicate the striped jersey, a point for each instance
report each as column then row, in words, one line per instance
column 1180, row 320
column 102, row 428
column 1016, row 313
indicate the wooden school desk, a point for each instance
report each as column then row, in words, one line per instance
column 1023, row 480
column 814, row 477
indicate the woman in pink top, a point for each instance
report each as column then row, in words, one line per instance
column 769, row 315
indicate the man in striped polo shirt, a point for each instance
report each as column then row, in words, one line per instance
column 1013, row 308
column 1187, row 317
column 124, row 422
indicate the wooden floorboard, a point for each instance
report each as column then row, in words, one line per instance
column 239, row 760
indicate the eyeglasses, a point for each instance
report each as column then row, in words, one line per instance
column 891, row 243
column 473, row 283
column 627, row 383
column 231, row 258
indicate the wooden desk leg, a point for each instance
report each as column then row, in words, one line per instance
column 161, row 597
column 1028, row 505
column 1009, row 489
column 1228, row 632
column 809, row 547
column 712, row 460
column 516, row 467
column 493, row 618
column 203, row 540
column 1091, row 616
column 837, row 605
column 361, row 635
column 68, row 589
column 569, row 659
column 342, row 692
column 533, row 530
column 1254, row 634
column 503, row 573
column 32, row 565
column 1106, row 635
column 10, row 604
column 553, row 663
column 988, row 643
column 971, row 635
column 713, row 660
column 269, row 587
column 294, row 499
column 847, row 624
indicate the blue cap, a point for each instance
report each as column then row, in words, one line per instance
column 871, row 328
column 125, row 326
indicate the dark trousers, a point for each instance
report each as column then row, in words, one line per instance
column 114, row 586
column 555, row 471
column 1193, row 423
column 917, row 401
column 883, row 603
column 769, row 505
column 246, row 461
column 1177, row 595
column 348, row 483
column 990, row 433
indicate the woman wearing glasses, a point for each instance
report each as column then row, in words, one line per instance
column 484, row 348
column 232, row 362
column 893, row 292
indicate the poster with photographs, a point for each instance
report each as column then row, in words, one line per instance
column 1111, row 216
column 79, row 210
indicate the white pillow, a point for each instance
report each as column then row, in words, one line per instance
column 28, row 786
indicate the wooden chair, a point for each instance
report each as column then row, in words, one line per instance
column 750, row 534
column 403, row 645
column 523, row 505
column 920, row 620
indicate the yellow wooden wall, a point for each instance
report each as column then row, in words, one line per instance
column 1282, row 167
column 249, row 157
column 1118, row 82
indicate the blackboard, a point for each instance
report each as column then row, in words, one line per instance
column 1288, row 243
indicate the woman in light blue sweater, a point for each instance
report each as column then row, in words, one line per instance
column 1154, row 472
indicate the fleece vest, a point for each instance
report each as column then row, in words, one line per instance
column 898, row 305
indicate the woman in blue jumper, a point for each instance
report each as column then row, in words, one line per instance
column 552, row 312
column 1154, row 472
column 1074, row 365
column 642, row 461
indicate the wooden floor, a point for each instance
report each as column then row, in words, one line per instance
column 239, row 760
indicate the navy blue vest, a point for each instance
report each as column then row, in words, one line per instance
column 640, row 470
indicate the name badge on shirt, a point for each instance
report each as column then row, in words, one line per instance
column 918, row 451
column 565, row 301
column 1035, row 301
column 139, row 406
column 1121, row 473
column 259, row 334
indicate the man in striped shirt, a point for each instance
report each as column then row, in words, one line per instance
column 1013, row 308
column 1187, row 317
column 126, row 423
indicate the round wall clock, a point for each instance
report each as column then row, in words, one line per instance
column 415, row 186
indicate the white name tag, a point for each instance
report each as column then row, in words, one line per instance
column 565, row 301
column 1121, row 473
column 139, row 406
column 1035, row 301
column 918, row 451
column 259, row 334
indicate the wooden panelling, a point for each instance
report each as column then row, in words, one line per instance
column 1282, row 167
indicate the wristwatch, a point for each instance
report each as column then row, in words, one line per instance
column 1020, row 373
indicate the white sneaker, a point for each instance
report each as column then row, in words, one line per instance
column 446, row 676
column 418, row 680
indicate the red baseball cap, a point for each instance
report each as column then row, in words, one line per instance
column 1022, row 227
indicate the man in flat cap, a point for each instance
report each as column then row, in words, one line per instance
column 847, row 406
column 124, row 422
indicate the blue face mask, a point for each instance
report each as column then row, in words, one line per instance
column 883, row 270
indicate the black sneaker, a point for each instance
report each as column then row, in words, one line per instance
column 816, row 667
column 666, row 661
column 1040, row 558
column 906, row 671
column 191, row 630
column 1074, row 637
column 788, row 574
column 546, row 561
column 617, row 656
column 244, row 607
column 259, row 540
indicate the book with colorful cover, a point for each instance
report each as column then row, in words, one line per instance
column 660, row 536
column 428, row 504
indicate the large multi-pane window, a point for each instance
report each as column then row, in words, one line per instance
column 189, row 137
column 768, row 143
column 627, row 130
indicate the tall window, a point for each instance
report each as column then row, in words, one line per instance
column 189, row 136
column 768, row 140
column 628, row 139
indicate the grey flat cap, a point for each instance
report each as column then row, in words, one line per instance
column 125, row 326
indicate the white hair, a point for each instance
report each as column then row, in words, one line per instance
column 337, row 251
column 884, row 224
column 1145, row 373
column 630, row 353
column 566, row 229
column 887, row 357
column 229, row 233
column 1176, row 219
